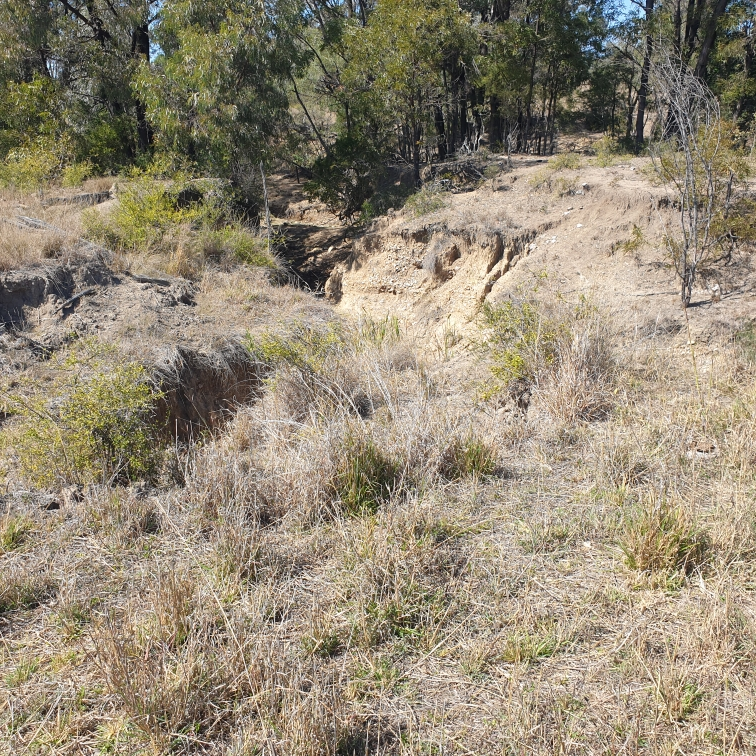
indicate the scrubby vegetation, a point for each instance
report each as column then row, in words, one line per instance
column 235, row 520
column 99, row 427
column 357, row 535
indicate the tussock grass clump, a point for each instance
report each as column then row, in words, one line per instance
column 561, row 355
column 745, row 338
column 121, row 515
column 565, row 161
column 364, row 476
column 609, row 151
column 13, row 531
column 396, row 573
column 100, row 427
column 662, row 538
column 468, row 456
column 429, row 199
column 529, row 644
column 24, row 587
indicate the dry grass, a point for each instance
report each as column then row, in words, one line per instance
column 347, row 569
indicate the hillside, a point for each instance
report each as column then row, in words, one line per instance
column 493, row 492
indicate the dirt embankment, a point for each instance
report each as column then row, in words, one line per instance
column 588, row 230
column 188, row 335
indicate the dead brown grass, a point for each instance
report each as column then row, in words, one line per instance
column 252, row 609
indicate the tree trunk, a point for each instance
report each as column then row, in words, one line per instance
column 440, row 133
column 678, row 27
column 140, row 47
column 643, row 89
column 708, row 43
column 416, row 135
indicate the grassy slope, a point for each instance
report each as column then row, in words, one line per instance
column 248, row 611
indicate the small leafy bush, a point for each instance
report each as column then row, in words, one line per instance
column 182, row 218
column 523, row 339
column 632, row 245
column 101, row 428
column 32, row 166
column 662, row 538
column 565, row 352
column 236, row 242
column 344, row 179
column 428, row 200
column 609, row 151
column 565, row 161
column 304, row 347
column 76, row 173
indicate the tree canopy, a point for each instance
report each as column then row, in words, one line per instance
column 342, row 88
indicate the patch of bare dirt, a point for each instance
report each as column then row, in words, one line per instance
column 314, row 240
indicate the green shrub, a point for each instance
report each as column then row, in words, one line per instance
column 236, row 242
column 344, row 179
column 522, row 338
column 428, row 200
column 565, row 161
column 365, row 476
column 305, row 347
column 632, row 245
column 146, row 213
column 661, row 538
column 101, row 428
column 565, row 351
column 31, row 167
column 76, row 173
column 181, row 215
column 609, row 151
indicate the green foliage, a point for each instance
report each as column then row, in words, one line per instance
column 101, row 427
column 345, row 178
column 196, row 216
column 76, row 173
column 378, row 332
column 429, row 199
column 662, row 538
column 216, row 91
column 395, row 65
column 632, row 245
column 147, row 213
column 523, row 340
column 565, row 161
column 365, row 476
column 237, row 242
column 33, row 166
column 609, row 151
column 468, row 457
column 304, row 347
